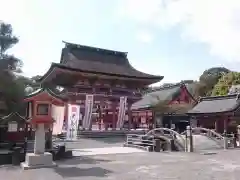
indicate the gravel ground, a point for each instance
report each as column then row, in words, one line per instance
column 224, row 165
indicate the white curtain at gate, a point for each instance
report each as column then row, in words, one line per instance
column 121, row 112
column 87, row 120
column 58, row 116
column 73, row 119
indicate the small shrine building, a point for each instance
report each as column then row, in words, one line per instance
column 167, row 106
column 221, row 113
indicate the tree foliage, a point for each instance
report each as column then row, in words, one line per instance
column 7, row 41
column 11, row 88
column 225, row 82
column 209, row 79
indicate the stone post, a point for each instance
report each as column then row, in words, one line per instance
column 157, row 145
column 40, row 158
column 186, row 143
column 39, row 145
column 189, row 139
column 171, row 145
column 225, row 141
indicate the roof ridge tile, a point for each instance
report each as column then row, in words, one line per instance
column 218, row 97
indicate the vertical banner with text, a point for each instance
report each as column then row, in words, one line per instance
column 121, row 111
column 73, row 119
column 58, row 116
column 87, row 120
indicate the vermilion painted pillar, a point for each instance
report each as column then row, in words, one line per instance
column 216, row 125
column 129, row 118
column 225, row 125
column 114, row 117
column 147, row 120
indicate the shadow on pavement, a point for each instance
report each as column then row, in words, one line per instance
column 81, row 160
column 78, row 172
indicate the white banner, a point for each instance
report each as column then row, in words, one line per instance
column 73, row 119
column 58, row 116
column 121, row 112
column 87, row 120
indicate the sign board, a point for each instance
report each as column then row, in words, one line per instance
column 12, row 127
column 87, row 120
column 73, row 119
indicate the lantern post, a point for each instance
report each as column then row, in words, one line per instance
column 41, row 121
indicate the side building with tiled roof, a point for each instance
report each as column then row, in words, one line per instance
column 106, row 74
column 221, row 113
column 167, row 106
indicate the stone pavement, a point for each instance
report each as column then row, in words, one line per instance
column 225, row 165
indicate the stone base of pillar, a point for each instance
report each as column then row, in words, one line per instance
column 35, row 161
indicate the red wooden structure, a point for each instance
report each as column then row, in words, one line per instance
column 12, row 128
column 39, row 107
column 40, row 104
column 106, row 74
column 221, row 113
column 168, row 104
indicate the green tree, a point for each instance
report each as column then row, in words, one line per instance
column 225, row 82
column 209, row 79
column 7, row 41
column 12, row 90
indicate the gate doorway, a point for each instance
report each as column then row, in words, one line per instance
column 177, row 123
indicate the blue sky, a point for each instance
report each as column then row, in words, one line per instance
column 176, row 39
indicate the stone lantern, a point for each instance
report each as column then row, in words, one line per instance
column 40, row 115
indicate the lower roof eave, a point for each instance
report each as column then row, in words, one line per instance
column 142, row 109
column 211, row 114
column 57, row 67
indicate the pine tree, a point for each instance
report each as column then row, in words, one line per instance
column 11, row 90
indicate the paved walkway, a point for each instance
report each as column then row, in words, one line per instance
column 105, row 158
column 225, row 165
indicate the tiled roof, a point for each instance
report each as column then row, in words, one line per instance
column 153, row 98
column 218, row 104
column 40, row 90
column 12, row 117
column 162, row 94
column 90, row 59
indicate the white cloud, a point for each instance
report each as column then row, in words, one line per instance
column 144, row 36
column 214, row 22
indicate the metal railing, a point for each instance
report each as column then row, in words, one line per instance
column 138, row 141
column 152, row 142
